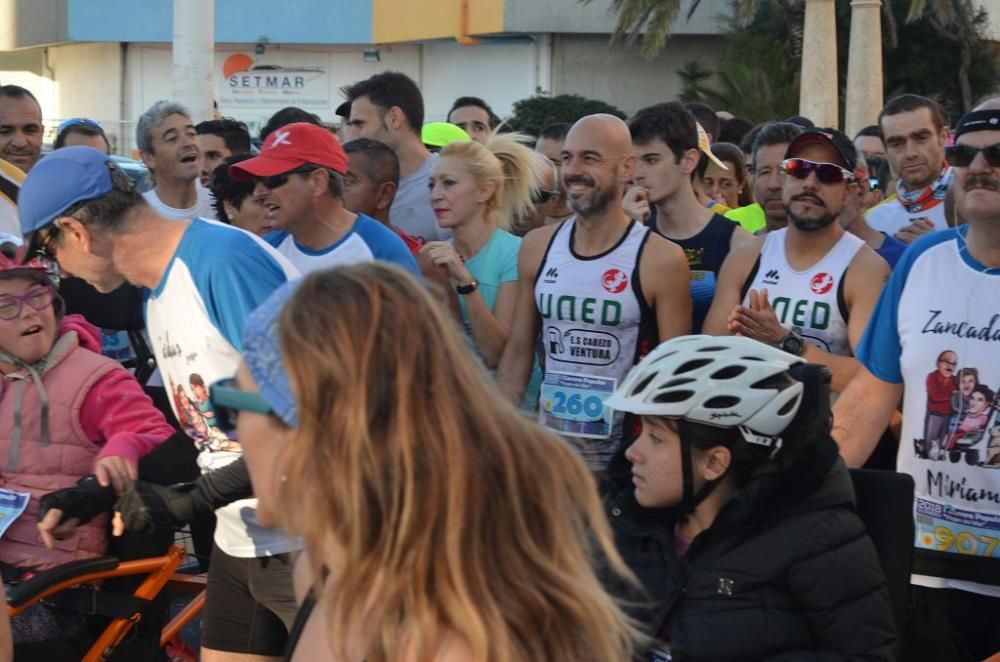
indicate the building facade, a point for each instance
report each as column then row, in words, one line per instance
column 111, row 59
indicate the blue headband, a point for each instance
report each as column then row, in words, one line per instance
column 262, row 354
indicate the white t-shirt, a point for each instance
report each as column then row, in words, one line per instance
column 195, row 318
column 411, row 209
column 891, row 217
column 367, row 240
column 936, row 330
column 11, row 179
column 202, row 208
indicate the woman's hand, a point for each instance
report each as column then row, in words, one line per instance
column 115, row 471
column 442, row 254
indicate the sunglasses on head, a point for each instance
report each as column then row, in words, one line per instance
column 542, row 196
column 828, row 173
column 227, row 401
column 962, row 156
column 276, row 181
column 78, row 121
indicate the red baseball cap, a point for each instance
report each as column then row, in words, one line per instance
column 293, row 146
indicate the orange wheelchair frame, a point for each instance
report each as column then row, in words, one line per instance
column 161, row 573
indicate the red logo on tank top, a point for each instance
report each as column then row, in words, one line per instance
column 821, row 283
column 614, row 280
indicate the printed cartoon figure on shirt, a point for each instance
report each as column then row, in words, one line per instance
column 968, row 380
column 189, row 417
column 973, row 425
column 942, row 384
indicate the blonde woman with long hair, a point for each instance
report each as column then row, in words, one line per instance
column 439, row 523
column 476, row 192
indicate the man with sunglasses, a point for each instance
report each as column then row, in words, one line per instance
column 807, row 288
column 941, row 308
column 299, row 177
column 203, row 280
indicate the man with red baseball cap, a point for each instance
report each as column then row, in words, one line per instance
column 810, row 287
column 299, row 179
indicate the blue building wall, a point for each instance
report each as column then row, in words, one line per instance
column 236, row 21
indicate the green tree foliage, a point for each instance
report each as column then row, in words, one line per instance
column 533, row 114
column 940, row 52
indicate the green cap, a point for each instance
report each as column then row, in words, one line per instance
column 439, row 134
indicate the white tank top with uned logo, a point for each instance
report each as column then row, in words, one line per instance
column 595, row 323
column 810, row 301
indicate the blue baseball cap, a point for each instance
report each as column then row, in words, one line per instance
column 60, row 180
column 262, row 354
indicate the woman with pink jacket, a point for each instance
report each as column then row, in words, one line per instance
column 66, row 411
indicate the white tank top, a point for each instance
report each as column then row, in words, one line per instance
column 595, row 325
column 810, row 301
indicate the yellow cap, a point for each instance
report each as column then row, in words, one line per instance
column 439, row 134
column 706, row 148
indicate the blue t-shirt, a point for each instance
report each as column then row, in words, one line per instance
column 494, row 265
column 195, row 316
column 891, row 250
column 936, row 331
column 366, row 240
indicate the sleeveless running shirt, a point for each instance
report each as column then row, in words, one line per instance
column 705, row 252
column 595, row 325
column 811, row 301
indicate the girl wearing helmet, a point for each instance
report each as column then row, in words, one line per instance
column 739, row 521
column 65, row 412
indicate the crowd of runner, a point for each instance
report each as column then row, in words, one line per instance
column 473, row 423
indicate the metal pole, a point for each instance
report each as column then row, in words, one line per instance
column 864, row 66
column 194, row 56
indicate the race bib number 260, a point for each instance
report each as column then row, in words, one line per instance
column 574, row 404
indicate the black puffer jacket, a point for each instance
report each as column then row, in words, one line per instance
column 786, row 572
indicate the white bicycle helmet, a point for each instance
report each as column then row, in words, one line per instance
column 727, row 382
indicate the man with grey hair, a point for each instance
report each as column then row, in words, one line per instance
column 165, row 135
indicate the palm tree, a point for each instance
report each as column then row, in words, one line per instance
column 954, row 21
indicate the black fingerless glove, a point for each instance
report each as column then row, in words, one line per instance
column 84, row 502
column 147, row 506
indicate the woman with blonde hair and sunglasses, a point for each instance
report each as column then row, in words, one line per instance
column 439, row 524
column 476, row 192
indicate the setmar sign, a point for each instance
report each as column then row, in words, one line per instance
column 248, row 83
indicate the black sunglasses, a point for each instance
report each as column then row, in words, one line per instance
column 828, row 173
column 873, row 183
column 541, row 196
column 276, row 181
column 962, row 156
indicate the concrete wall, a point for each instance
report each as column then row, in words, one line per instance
column 501, row 72
column 406, row 20
column 25, row 23
column 584, row 65
column 570, row 16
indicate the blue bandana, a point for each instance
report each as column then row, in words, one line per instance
column 263, row 356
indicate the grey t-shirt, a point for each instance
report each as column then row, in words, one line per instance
column 411, row 211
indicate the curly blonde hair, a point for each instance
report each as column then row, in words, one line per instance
column 450, row 512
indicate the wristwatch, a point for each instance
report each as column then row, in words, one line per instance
column 468, row 289
column 793, row 343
